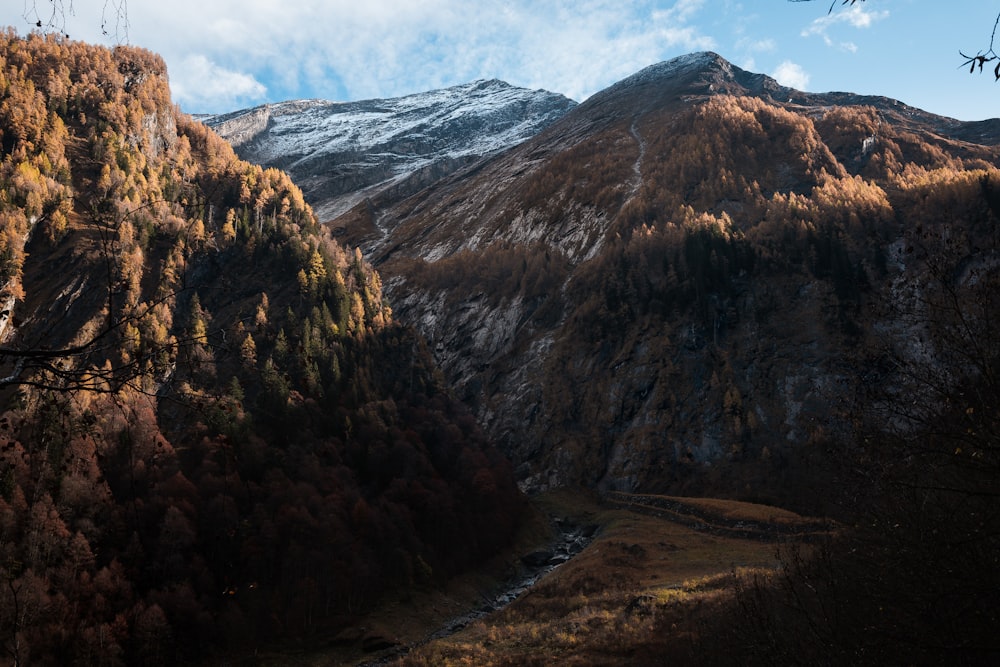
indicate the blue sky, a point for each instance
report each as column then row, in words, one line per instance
column 224, row 55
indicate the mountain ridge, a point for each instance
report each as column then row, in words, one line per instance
column 340, row 152
column 707, row 73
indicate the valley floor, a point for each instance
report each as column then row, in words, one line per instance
column 637, row 594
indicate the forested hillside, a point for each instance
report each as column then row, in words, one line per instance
column 214, row 435
column 683, row 284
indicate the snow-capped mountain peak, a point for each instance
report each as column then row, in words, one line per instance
column 339, row 152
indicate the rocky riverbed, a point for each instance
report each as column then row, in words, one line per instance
column 571, row 539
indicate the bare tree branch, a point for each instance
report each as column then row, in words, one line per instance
column 984, row 57
column 52, row 14
column 973, row 62
column 90, row 365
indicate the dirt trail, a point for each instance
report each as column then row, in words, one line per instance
column 705, row 519
column 637, row 165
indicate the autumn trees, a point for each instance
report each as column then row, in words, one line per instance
column 52, row 114
column 213, row 434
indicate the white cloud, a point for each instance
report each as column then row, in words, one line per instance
column 197, row 82
column 791, row 75
column 379, row 48
column 748, row 45
column 860, row 17
column 857, row 16
column 747, row 49
column 683, row 10
column 223, row 51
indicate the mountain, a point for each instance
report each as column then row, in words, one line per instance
column 217, row 439
column 341, row 152
column 668, row 287
column 214, row 437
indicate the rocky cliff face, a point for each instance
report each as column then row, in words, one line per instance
column 242, row 127
column 341, row 153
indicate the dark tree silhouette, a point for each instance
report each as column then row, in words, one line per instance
column 983, row 57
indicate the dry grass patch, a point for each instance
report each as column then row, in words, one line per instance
column 635, row 596
column 736, row 510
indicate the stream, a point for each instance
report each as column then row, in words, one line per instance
column 571, row 539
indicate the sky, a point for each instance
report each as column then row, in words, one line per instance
column 224, row 55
